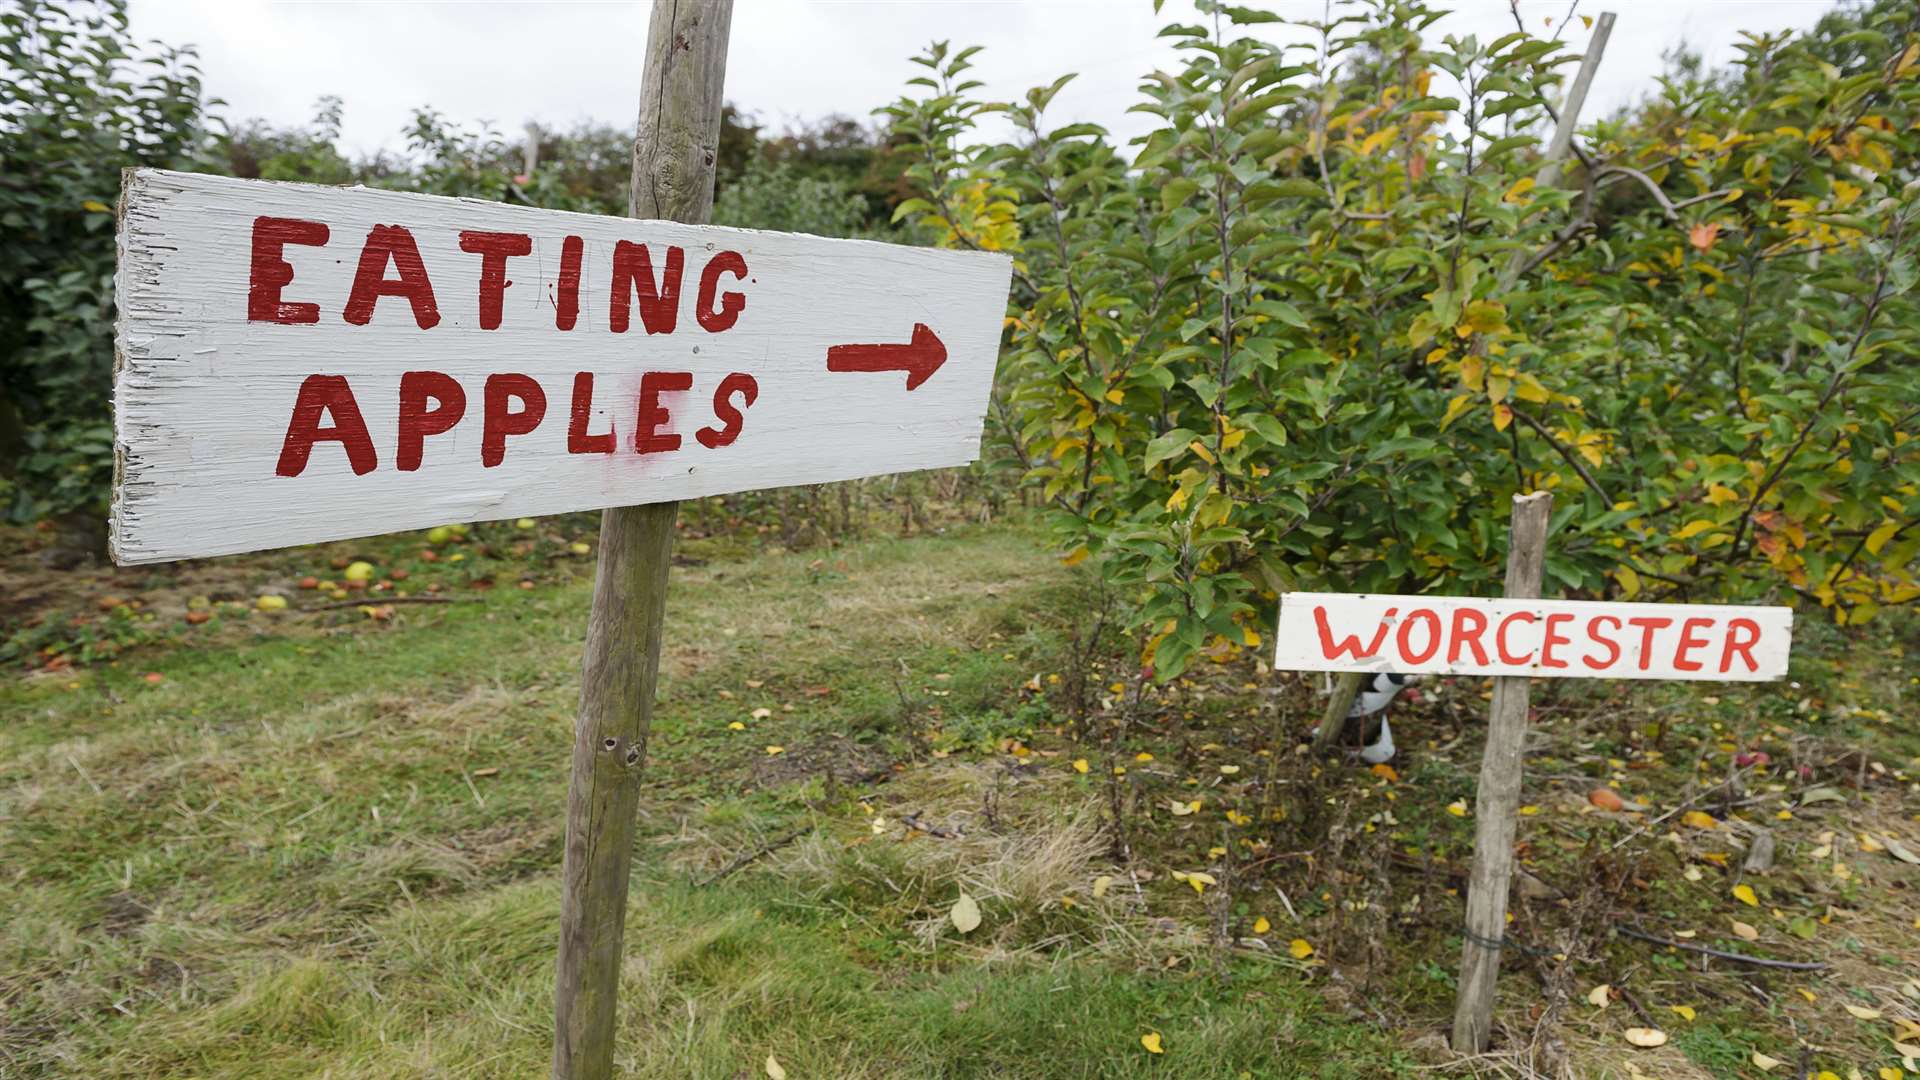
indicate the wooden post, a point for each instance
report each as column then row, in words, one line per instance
column 1562, row 140
column 1561, row 143
column 1333, row 722
column 1497, row 805
column 673, row 168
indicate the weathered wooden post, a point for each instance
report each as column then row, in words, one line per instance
column 1497, row 804
column 674, row 148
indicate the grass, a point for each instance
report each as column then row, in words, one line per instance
column 329, row 847
column 327, row 843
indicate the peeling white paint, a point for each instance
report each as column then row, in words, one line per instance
column 203, row 396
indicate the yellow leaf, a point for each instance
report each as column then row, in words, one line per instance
column 1699, row 819
column 1519, row 189
column 1765, row 1063
column 1692, row 529
column 1180, row 809
column 965, row 914
column 1200, row 448
column 1805, row 993
column 1888, row 1072
column 1745, row 931
column 1143, row 756
column 1646, row 1037
column 1861, row 1012
column 1498, row 386
column 1386, row 772
column 1485, row 317
column 1080, row 765
column 1229, row 770
column 1458, row 808
column 1528, row 388
column 1685, row 1012
column 1261, row 925
column 1473, row 373
column 1460, row 404
column 1177, row 500
column 1744, row 894
column 1101, row 884
column 1200, row 881
column 736, row 726
column 1721, row 494
column 1502, row 416
column 1116, row 396
column 772, row 750
column 96, row 206
column 1600, row 996
column 1151, row 1040
column 1629, row 581
column 1075, row 557
column 1878, row 538
column 1378, row 139
column 1299, row 949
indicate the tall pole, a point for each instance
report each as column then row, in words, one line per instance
column 1497, row 803
column 674, row 149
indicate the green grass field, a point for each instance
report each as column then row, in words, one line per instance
column 324, row 844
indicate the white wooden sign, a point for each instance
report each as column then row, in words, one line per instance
column 1458, row 635
column 301, row 363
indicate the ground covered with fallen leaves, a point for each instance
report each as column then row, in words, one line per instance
column 911, row 811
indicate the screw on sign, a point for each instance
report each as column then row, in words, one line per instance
column 1515, row 639
column 301, row 363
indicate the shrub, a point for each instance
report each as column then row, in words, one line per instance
column 1325, row 318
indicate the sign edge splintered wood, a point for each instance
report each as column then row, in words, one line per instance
column 1593, row 639
column 305, row 384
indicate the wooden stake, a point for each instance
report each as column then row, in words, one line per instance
column 1333, row 722
column 1561, row 142
column 1497, row 805
column 673, row 169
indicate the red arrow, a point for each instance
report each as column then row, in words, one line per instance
column 919, row 358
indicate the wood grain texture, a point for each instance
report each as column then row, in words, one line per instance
column 204, row 394
column 673, row 159
column 617, row 679
column 1333, row 719
column 1497, row 803
column 1589, row 639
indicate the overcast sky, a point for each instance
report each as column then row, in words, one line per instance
column 562, row 62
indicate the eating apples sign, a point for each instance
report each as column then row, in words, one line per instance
column 301, row 363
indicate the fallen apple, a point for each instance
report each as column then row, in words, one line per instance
column 359, row 571
column 309, row 582
column 439, row 534
column 197, row 616
column 270, row 602
column 580, row 547
column 1606, row 799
